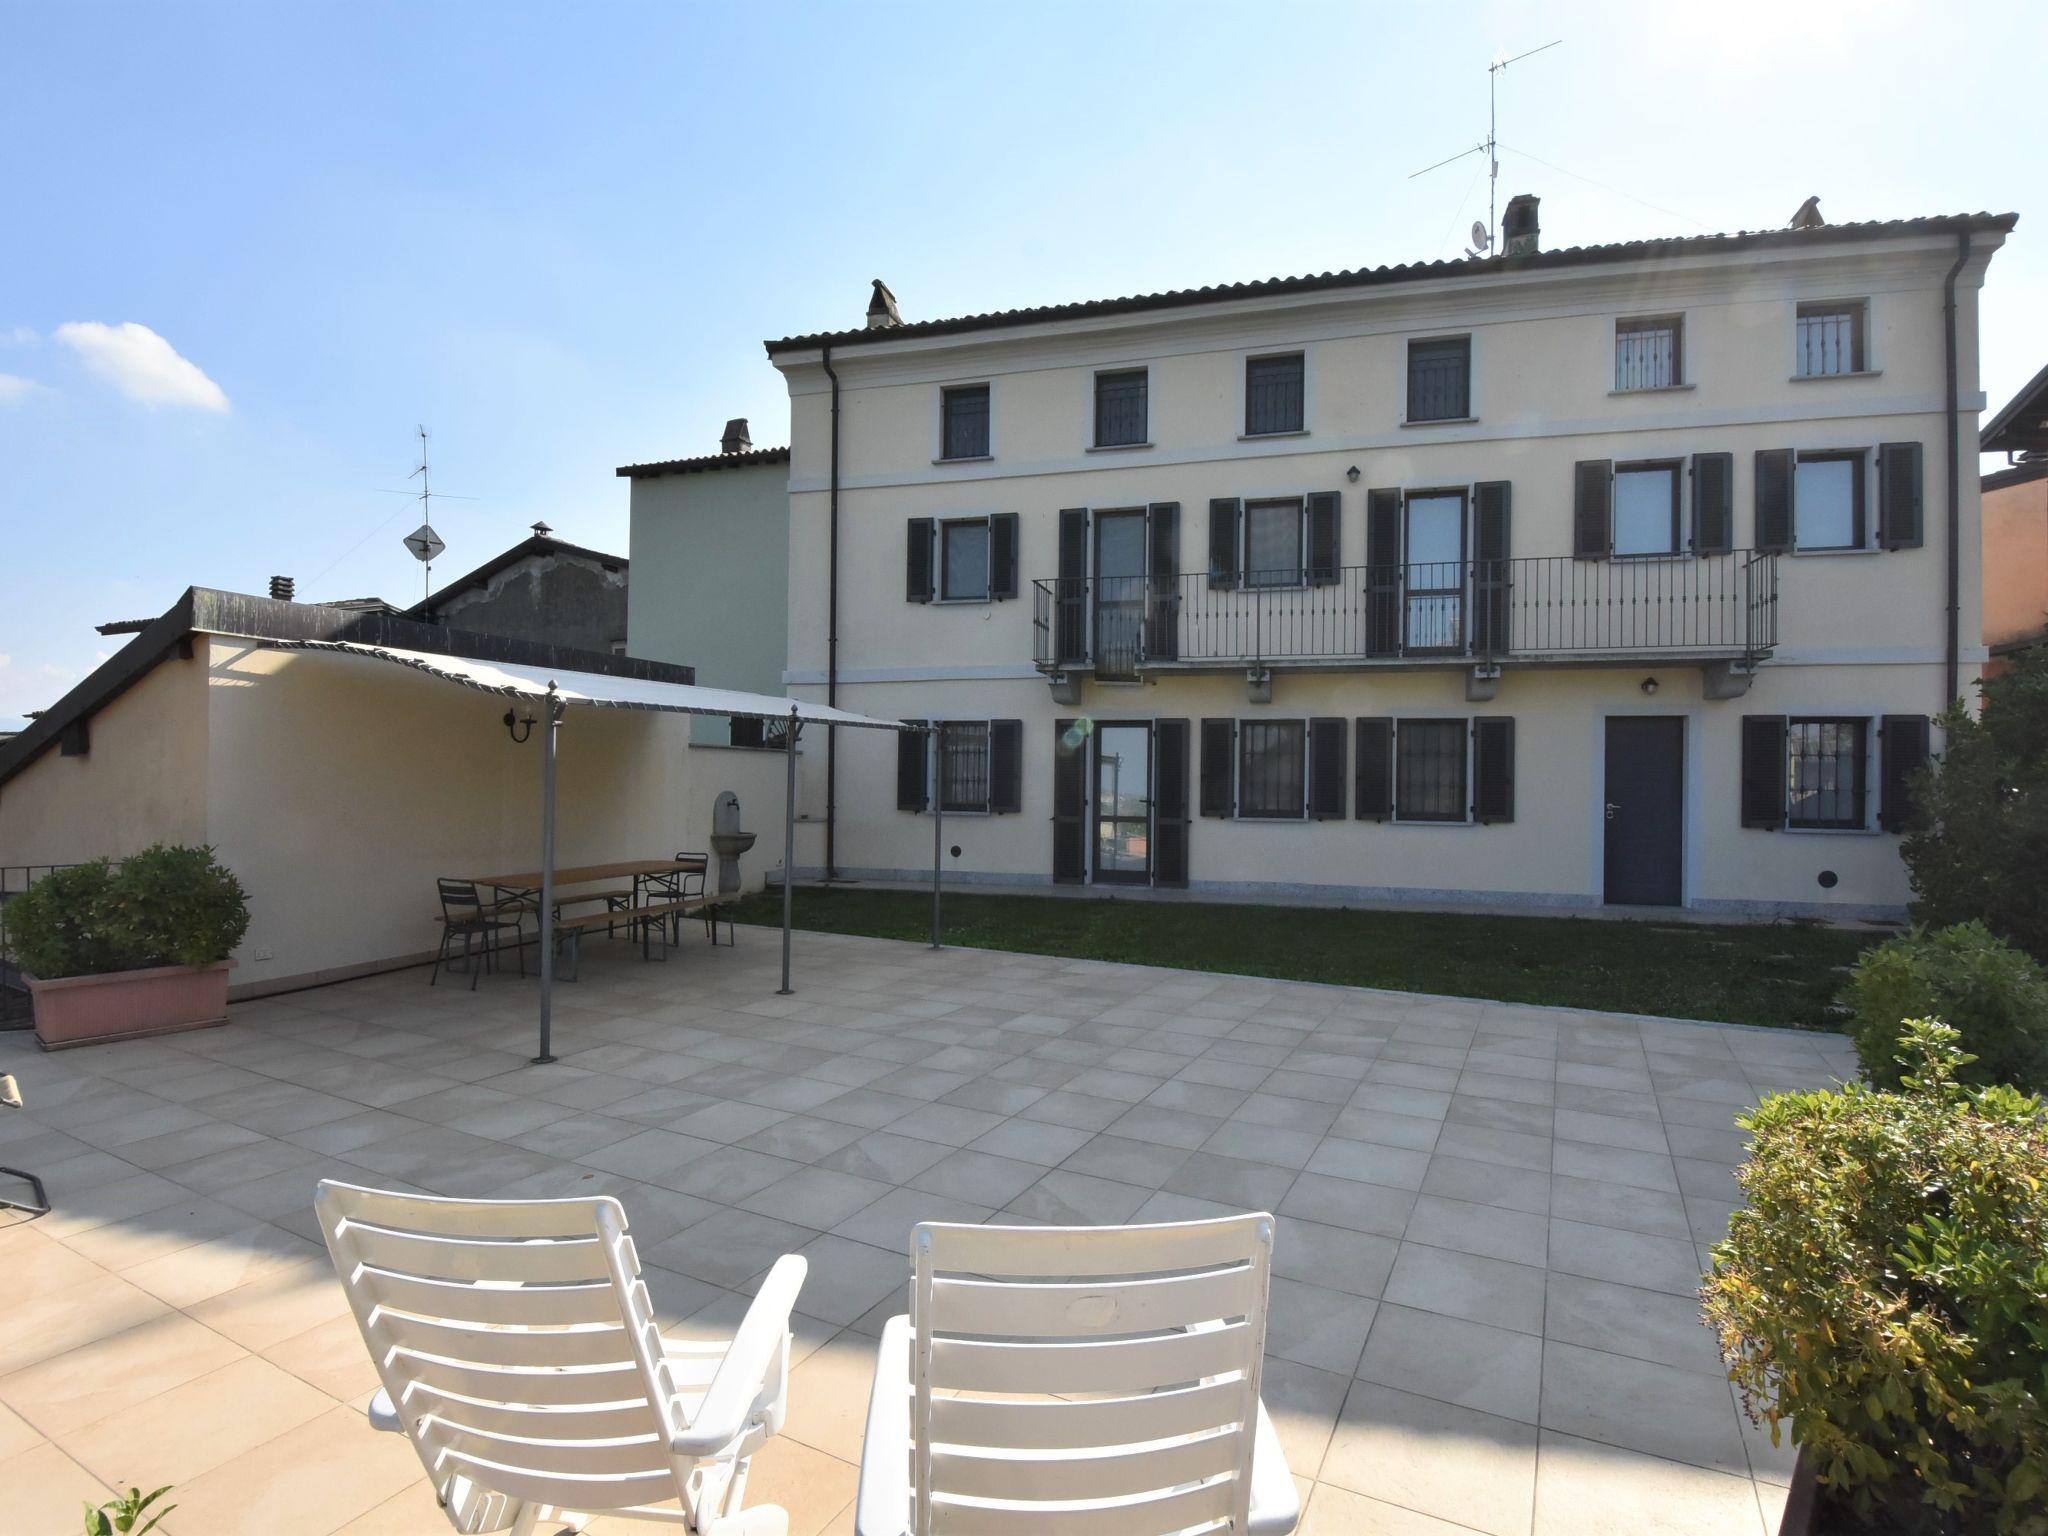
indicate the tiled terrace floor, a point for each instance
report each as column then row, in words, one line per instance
column 1491, row 1217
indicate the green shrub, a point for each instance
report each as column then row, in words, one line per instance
column 1993, row 995
column 1886, row 1293
column 119, row 1515
column 163, row 906
column 1980, row 836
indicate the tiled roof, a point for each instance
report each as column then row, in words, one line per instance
column 2022, row 426
column 707, row 462
column 1364, row 277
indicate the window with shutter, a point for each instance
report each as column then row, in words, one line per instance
column 1903, row 751
column 913, row 752
column 964, row 765
column 1326, row 769
column 917, row 580
column 1121, row 408
column 1274, row 390
column 1898, row 496
column 1440, row 379
column 1218, row 749
column 964, row 560
column 1272, row 770
column 1005, row 766
column 1593, row 509
column 1824, row 772
column 1645, row 509
column 1713, row 508
column 1273, row 543
column 1827, row 500
column 1493, row 769
column 1170, row 803
column 1763, row 771
column 964, row 422
column 1372, row 791
column 1773, row 500
column 1429, row 770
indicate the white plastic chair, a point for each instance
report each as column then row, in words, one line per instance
column 519, row 1353
column 1077, row 1381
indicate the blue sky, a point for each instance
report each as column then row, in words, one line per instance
column 558, row 234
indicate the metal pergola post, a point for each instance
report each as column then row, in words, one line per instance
column 938, row 825
column 555, row 710
column 788, row 846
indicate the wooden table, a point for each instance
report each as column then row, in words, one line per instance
column 525, row 884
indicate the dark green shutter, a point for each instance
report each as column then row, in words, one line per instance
column 1070, row 605
column 1763, row 771
column 912, row 757
column 1162, row 613
column 1002, row 555
column 1383, row 573
column 1372, row 797
column 1491, row 506
column 1593, row 509
column 1223, row 516
column 1898, row 496
column 1903, row 746
column 1069, row 802
column 1170, row 803
column 1326, row 769
column 1713, row 503
column 1005, row 766
column 1218, row 747
column 1773, row 500
column 917, row 563
column 1325, row 512
column 1493, row 769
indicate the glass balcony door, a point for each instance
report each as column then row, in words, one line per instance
column 1434, row 571
column 1119, row 592
column 1123, row 804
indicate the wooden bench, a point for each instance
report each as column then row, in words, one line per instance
column 649, row 918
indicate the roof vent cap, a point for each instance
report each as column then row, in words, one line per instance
column 882, row 312
column 1519, row 230
column 1808, row 216
column 281, row 588
column 541, row 530
column 737, row 438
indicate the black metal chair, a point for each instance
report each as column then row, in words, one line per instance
column 681, row 885
column 480, row 924
column 10, row 1098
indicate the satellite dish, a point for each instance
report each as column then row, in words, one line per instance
column 1480, row 238
column 424, row 543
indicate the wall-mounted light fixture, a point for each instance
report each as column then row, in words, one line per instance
column 519, row 727
column 1648, row 685
column 1351, row 474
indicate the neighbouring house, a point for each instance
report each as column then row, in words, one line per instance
column 710, row 539
column 1615, row 575
column 542, row 588
column 2016, row 524
column 338, row 786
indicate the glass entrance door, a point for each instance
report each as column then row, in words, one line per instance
column 1119, row 592
column 1123, row 804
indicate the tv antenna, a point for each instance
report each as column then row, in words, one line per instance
column 1483, row 234
column 424, row 543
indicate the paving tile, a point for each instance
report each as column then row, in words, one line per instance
column 1263, row 1144
column 1303, row 1402
column 1334, row 1257
column 1233, row 1181
column 885, row 1156
column 1628, row 1320
column 179, row 1434
column 978, row 1178
column 1168, row 1127
column 1375, row 1208
column 1455, row 1360
column 728, row 1248
column 887, row 1223
column 1603, row 1203
column 1587, row 1489
column 1482, row 1229
column 815, row 1197
column 1514, row 1189
column 1469, row 1286
column 1333, row 1511
column 1312, row 1325
column 46, row 1488
column 1066, row 1199
column 309, row 1479
column 64, row 1391
column 1369, row 1163
column 955, row 1125
column 1632, row 1258
column 1641, row 1406
column 1032, row 1141
column 1082, row 1111
column 802, row 1138
column 1473, row 1469
column 846, row 1278
column 1621, row 1165
column 727, row 1174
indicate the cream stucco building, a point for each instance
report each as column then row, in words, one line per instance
column 1623, row 575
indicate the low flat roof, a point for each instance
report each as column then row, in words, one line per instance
column 703, row 464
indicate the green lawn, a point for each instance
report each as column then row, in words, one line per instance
column 1781, row 973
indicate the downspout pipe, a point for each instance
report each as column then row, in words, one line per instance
column 832, row 640
column 1955, row 475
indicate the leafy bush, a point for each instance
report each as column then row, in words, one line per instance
column 1980, row 839
column 122, row 1513
column 1886, row 1292
column 1994, row 996
column 164, row 906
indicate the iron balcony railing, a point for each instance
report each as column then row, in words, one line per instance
column 1554, row 606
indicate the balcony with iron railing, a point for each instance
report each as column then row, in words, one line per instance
column 1710, row 608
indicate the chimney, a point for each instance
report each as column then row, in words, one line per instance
column 281, row 589
column 1518, row 227
column 882, row 308
column 737, row 439
column 540, row 530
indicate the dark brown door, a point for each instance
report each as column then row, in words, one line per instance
column 1645, row 811
column 1123, row 804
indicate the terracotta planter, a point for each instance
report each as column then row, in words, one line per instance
column 125, row 1005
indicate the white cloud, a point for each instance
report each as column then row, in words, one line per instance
column 14, row 387
column 141, row 364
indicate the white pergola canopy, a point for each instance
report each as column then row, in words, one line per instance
column 554, row 689
column 597, row 688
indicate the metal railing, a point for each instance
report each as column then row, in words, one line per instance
column 1723, row 605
